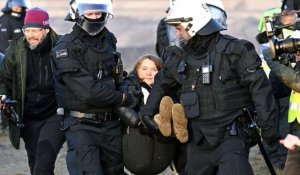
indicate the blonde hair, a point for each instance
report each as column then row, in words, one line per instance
column 153, row 58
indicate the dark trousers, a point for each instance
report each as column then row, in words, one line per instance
column 43, row 140
column 94, row 150
column 277, row 152
column 229, row 157
column 292, row 165
column 180, row 158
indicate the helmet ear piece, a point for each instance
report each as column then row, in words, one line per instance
column 73, row 12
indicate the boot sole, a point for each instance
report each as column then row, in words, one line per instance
column 180, row 123
column 165, row 111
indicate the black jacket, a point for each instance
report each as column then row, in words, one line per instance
column 40, row 101
column 19, row 83
column 10, row 27
column 83, row 67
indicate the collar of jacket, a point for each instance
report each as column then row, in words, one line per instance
column 200, row 45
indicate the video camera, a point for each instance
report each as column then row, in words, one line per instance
column 9, row 111
column 282, row 47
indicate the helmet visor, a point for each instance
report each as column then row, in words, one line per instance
column 218, row 15
column 177, row 21
column 173, row 38
column 93, row 8
column 91, row 27
column 20, row 3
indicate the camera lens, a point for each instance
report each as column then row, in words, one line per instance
column 289, row 45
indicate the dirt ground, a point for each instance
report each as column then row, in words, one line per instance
column 134, row 25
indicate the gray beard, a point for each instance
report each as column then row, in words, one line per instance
column 32, row 47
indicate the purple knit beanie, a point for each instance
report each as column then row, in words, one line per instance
column 36, row 17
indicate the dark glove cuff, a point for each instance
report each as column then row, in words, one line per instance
column 144, row 111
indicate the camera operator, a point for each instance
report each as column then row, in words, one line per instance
column 290, row 77
column 287, row 75
column 270, row 25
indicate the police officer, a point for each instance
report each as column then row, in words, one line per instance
column 83, row 63
column 11, row 22
column 218, row 76
column 26, row 75
column 167, row 44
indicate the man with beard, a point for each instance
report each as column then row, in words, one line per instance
column 26, row 75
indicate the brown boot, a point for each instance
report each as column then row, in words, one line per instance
column 180, row 123
column 163, row 120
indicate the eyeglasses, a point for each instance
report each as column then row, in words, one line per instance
column 32, row 31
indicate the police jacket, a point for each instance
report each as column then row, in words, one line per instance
column 10, row 27
column 288, row 76
column 236, row 81
column 83, row 68
column 14, row 74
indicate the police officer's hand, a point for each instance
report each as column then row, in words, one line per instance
column 268, row 57
column 270, row 135
column 149, row 126
column 129, row 100
column 128, row 116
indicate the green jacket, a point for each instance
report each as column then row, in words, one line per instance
column 288, row 76
column 13, row 71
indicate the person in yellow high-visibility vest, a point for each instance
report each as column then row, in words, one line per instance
column 292, row 166
column 291, row 78
column 277, row 153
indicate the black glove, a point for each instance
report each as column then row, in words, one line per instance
column 129, row 100
column 149, row 126
column 270, row 135
column 128, row 116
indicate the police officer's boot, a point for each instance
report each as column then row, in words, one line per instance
column 180, row 123
column 163, row 119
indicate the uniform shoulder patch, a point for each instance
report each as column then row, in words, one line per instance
column 62, row 53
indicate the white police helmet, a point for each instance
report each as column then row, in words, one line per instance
column 217, row 11
column 93, row 27
column 194, row 15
